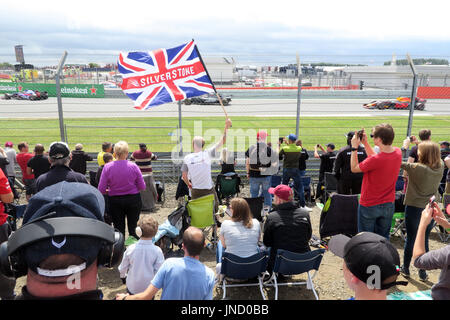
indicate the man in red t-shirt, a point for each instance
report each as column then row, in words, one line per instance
column 22, row 159
column 381, row 170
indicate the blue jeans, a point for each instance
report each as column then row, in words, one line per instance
column 376, row 219
column 294, row 173
column 412, row 220
column 262, row 183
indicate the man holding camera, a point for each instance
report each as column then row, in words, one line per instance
column 376, row 205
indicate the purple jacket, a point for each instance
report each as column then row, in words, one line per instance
column 121, row 177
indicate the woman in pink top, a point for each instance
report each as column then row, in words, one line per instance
column 122, row 180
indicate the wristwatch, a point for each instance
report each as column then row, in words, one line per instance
column 354, row 149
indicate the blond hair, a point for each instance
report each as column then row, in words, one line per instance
column 148, row 225
column 429, row 154
column 121, row 148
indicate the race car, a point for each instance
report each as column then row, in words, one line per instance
column 27, row 95
column 209, row 98
column 398, row 104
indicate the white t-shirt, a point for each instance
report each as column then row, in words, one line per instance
column 198, row 166
column 239, row 240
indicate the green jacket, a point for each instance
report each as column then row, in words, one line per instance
column 423, row 183
column 291, row 154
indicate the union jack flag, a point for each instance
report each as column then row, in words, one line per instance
column 164, row 75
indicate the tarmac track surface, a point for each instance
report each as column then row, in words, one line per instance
column 99, row 108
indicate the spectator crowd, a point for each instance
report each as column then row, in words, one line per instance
column 99, row 221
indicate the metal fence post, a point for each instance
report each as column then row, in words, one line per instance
column 58, row 96
column 413, row 95
column 299, row 96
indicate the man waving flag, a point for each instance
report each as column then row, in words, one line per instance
column 164, row 75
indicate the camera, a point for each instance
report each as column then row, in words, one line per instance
column 411, row 139
column 360, row 134
column 318, row 145
column 281, row 139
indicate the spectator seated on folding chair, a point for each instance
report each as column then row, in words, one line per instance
column 201, row 211
column 398, row 219
column 256, row 207
column 339, row 215
column 237, row 268
column 227, row 186
column 330, row 185
column 290, row 263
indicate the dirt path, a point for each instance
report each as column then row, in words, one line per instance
column 329, row 282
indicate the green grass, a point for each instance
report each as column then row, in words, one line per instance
column 313, row 130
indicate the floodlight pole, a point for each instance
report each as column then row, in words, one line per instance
column 58, row 96
column 299, row 95
column 413, row 95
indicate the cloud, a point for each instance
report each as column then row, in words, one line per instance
column 265, row 31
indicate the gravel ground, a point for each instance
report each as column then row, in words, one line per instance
column 329, row 282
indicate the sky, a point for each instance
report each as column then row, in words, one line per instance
column 251, row 32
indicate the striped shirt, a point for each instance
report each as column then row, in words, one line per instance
column 144, row 160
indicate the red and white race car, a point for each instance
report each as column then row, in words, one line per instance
column 400, row 103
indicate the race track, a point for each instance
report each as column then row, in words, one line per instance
column 95, row 108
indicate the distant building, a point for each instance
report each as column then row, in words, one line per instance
column 393, row 77
column 221, row 70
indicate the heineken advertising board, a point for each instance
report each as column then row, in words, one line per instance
column 67, row 90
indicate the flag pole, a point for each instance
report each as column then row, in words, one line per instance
column 214, row 87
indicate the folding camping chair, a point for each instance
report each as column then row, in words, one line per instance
column 306, row 181
column 339, row 215
column 330, row 185
column 92, row 178
column 227, row 186
column 290, row 263
column 398, row 219
column 237, row 268
column 201, row 211
column 256, row 207
column 20, row 189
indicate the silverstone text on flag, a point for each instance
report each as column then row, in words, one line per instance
column 164, row 75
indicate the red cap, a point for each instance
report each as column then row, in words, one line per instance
column 282, row 191
column 8, row 144
column 261, row 135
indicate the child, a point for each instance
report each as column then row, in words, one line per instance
column 141, row 260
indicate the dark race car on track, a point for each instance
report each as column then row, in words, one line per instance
column 209, row 98
column 27, row 95
column 400, row 103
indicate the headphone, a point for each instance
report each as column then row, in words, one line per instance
column 12, row 260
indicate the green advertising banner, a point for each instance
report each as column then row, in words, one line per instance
column 67, row 90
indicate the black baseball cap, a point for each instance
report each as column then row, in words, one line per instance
column 64, row 199
column 331, row 146
column 446, row 143
column 366, row 250
column 59, row 150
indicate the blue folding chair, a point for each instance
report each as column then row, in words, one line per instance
column 234, row 267
column 290, row 263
